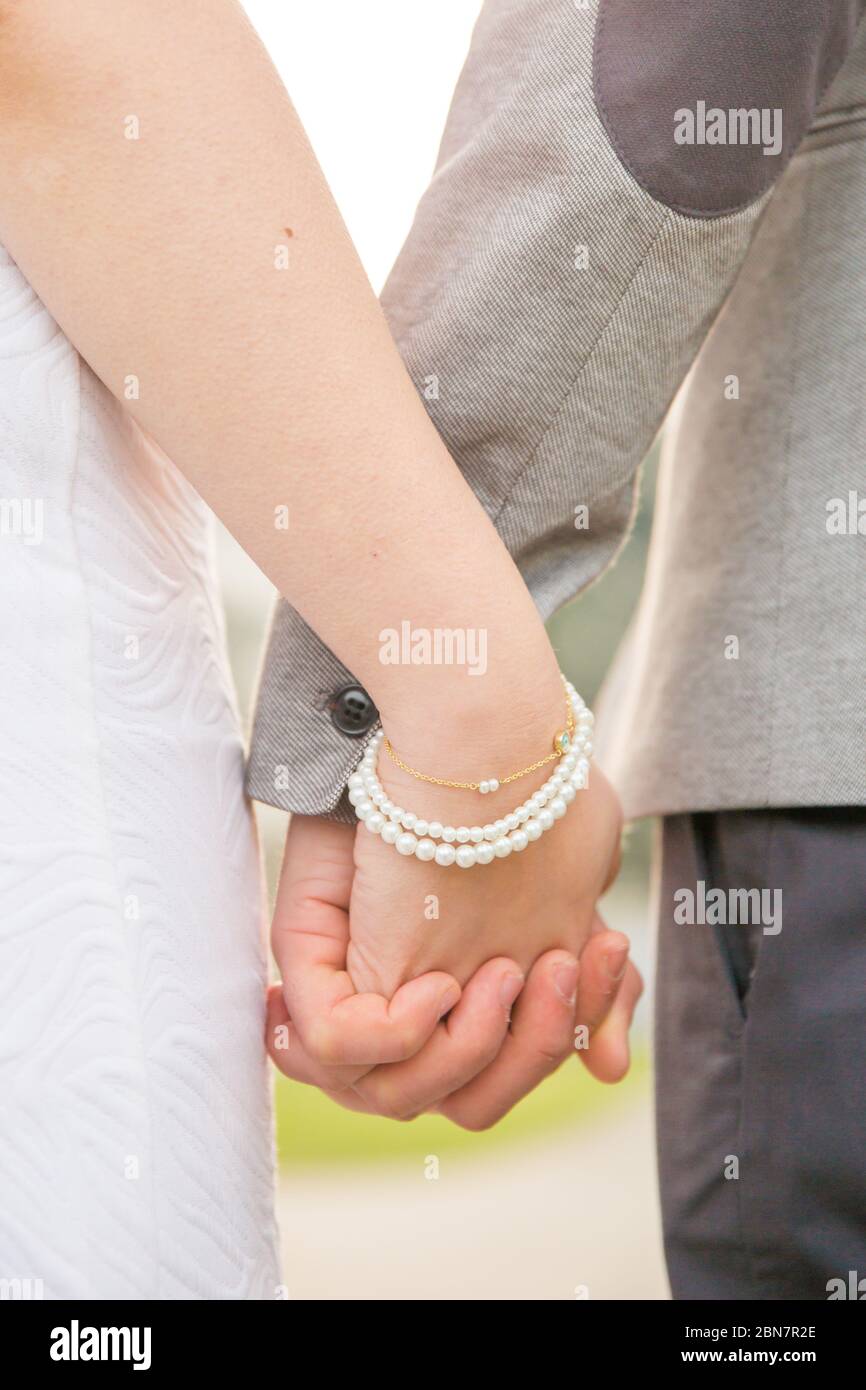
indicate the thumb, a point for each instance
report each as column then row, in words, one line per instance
column 336, row 1025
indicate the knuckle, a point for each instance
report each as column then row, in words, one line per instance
column 392, row 1104
column 474, row 1119
column 322, row 1043
column 472, row 1061
column 406, row 1041
column 552, row 1054
column 477, row 1124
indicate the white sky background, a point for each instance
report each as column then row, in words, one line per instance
column 372, row 81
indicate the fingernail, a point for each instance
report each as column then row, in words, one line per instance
column 448, row 1000
column 509, row 988
column 565, row 981
column 615, row 962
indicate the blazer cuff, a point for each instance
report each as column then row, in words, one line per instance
column 312, row 724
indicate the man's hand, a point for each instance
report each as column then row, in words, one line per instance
column 372, row 1037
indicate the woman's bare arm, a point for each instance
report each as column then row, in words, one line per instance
column 162, row 257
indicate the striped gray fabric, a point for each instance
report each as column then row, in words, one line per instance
column 692, row 720
column 559, row 307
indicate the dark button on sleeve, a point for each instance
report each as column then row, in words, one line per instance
column 352, row 711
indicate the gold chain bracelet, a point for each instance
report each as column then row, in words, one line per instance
column 561, row 744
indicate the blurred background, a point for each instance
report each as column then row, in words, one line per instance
column 559, row 1201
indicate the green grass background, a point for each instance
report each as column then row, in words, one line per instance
column 312, row 1130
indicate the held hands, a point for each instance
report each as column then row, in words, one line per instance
column 408, row 987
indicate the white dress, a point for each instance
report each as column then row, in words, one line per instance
column 135, row 1128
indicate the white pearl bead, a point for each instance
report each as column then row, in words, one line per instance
column 356, row 780
column 545, row 818
column 484, row 852
column 434, row 830
column 537, row 801
column 405, row 843
column 523, row 813
column 501, row 827
column 390, row 831
column 420, row 827
column 425, row 850
column 568, row 793
column 445, row 855
column 463, row 835
column 532, row 829
column 587, row 747
column 397, row 813
column 375, row 823
column 408, row 819
column 502, row 848
column 511, row 821
column 558, row 807
column 449, row 834
column 484, row 788
column 476, row 834
column 490, row 832
column 379, row 797
column 363, row 809
column 493, row 784
column 466, row 856
column 519, row 839
column 357, row 795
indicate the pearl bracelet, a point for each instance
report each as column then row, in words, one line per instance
column 561, row 744
column 476, row 844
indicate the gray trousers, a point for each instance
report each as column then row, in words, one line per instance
column 761, row 1052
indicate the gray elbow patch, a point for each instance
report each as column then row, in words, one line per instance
column 705, row 101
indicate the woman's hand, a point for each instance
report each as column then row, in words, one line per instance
column 395, row 1058
column 409, row 917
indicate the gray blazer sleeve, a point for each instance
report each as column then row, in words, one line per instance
column 600, row 177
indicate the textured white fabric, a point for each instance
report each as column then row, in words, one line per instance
column 135, row 1133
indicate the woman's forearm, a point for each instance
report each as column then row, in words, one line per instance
column 158, row 191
